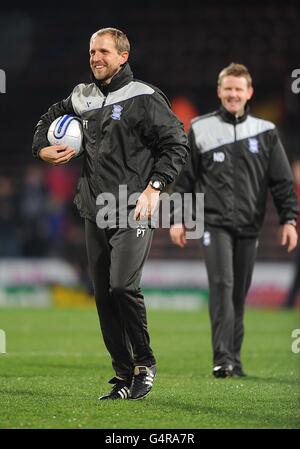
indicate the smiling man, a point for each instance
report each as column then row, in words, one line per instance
column 235, row 159
column 131, row 139
column 234, row 92
column 107, row 56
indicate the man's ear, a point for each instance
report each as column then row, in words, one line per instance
column 250, row 92
column 124, row 57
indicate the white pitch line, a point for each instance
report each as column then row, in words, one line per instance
column 59, row 354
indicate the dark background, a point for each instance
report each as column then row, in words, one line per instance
column 180, row 48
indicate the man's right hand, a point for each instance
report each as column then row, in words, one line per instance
column 57, row 154
column 177, row 233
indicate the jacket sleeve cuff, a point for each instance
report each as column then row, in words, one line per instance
column 159, row 177
column 291, row 222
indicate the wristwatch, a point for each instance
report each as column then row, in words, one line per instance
column 291, row 222
column 156, row 184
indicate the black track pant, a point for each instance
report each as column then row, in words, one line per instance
column 116, row 258
column 229, row 262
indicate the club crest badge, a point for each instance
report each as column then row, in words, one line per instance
column 116, row 112
column 253, row 145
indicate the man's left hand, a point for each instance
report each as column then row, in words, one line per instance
column 289, row 236
column 146, row 204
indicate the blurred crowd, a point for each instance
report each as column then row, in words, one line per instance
column 38, row 218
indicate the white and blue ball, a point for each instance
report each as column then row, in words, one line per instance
column 66, row 130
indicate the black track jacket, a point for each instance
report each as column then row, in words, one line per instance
column 234, row 161
column 130, row 136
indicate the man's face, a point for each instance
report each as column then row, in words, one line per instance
column 234, row 93
column 105, row 61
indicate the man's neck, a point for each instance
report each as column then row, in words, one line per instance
column 239, row 114
column 234, row 118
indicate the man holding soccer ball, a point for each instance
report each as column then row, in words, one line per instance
column 131, row 137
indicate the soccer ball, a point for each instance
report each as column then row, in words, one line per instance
column 66, row 130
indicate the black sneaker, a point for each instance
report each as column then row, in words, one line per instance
column 121, row 389
column 142, row 381
column 238, row 371
column 223, row 371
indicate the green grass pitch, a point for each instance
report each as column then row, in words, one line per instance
column 56, row 367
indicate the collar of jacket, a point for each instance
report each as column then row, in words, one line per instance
column 230, row 118
column 123, row 77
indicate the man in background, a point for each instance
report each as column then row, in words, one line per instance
column 235, row 159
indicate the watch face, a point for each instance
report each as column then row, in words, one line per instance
column 157, row 185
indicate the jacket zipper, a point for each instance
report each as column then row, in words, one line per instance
column 98, row 158
column 100, row 124
column 234, row 175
